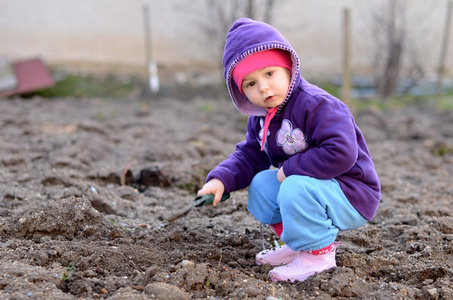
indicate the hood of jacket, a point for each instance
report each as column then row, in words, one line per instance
column 245, row 37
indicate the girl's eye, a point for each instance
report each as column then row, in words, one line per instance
column 250, row 84
column 269, row 74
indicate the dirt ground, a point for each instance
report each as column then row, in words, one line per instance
column 87, row 187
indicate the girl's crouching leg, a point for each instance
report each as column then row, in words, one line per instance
column 262, row 201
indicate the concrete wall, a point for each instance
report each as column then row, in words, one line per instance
column 111, row 32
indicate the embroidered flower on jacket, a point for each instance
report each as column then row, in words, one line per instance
column 292, row 141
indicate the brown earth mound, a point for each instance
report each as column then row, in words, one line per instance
column 87, row 187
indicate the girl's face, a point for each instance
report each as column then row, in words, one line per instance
column 267, row 87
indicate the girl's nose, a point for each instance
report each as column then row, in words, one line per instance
column 264, row 86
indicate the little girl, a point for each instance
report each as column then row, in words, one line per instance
column 324, row 179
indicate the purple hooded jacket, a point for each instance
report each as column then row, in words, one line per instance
column 312, row 134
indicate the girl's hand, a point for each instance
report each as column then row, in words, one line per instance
column 281, row 175
column 215, row 187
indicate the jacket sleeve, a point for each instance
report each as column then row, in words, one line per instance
column 333, row 148
column 238, row 170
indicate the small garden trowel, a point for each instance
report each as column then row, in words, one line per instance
column 197, row 202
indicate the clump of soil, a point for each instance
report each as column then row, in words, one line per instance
column 87, row 187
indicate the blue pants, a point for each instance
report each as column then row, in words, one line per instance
column 312, row 210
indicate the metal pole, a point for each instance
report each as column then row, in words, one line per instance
column 443, row 54
column 152, row 65
column 346, row 59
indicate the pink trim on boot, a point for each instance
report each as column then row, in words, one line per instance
column 330, row 248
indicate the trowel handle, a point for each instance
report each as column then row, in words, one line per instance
column 209, row 199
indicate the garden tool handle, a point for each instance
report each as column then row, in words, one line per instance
column 209, row 199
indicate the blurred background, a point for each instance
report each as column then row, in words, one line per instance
column 389, row 47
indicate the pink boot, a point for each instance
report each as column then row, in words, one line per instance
column 306, row 264
column 277, row 256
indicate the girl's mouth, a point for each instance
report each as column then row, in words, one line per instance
column 270, row 98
